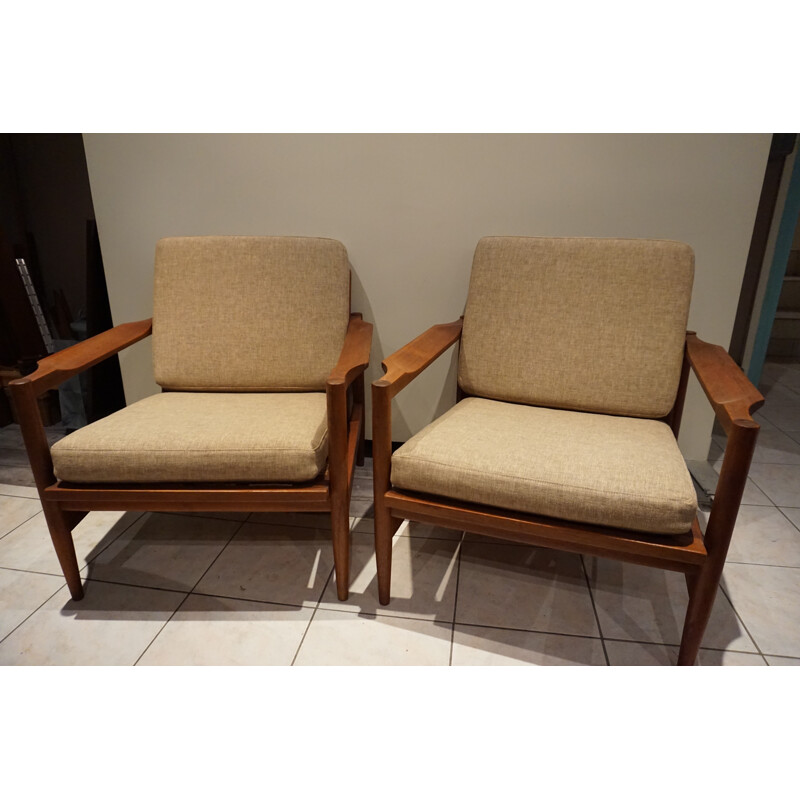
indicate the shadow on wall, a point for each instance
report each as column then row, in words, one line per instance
column 401, row 430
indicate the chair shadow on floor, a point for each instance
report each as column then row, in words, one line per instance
column 507, row 602
column 170, row 555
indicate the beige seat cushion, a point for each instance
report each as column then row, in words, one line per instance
column 178, row 436
column 603, row 470
column 584, row 324
column 248, row 313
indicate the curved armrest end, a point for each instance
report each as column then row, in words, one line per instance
column 354, row 358
column 402, row 366
column 729, row 390
column 58, row 367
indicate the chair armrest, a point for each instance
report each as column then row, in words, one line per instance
column 354, row 357
column 732, row 395
column 58, row 367
column 405, row 364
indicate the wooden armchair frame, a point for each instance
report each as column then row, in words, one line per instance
column 65, row 504
column 701, row 557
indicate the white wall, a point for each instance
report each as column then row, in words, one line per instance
column 410, row 209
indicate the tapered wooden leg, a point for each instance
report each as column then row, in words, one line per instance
column 702, row 594
column 61, row 535
column 340, row 528
column 385, row 528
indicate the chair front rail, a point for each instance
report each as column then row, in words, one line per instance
column 679, row 553
column 188, row 497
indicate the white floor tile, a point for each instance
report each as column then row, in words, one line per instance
column 763, row 535
column 222, row 632
column 416, row 530
column 776, row 447
column 495, row 647
column 773, row 446
column 16, row 510
column 163, row 551
column 111, row 626
column 780, row 661
column 768, row 601
column 277, row 564
column 21, row 593
column 423, row 579
column 645, row 604
column 340, row 638
column 528, row 588
column 639, row 654
column 779, row 482
column 19, row 491
column 29, row 547
column 793, row 514
column 783, row 413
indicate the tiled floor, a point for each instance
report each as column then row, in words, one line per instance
column 258, row 589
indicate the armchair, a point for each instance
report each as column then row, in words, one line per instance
column 572, row 372
column 261, row 366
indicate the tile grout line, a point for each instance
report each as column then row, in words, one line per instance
column 189, row 593
column 791, row 522
column 538, row 631
column 311, row 618
column 455, row 600
column 322, row 594
column 40, row 606
column 594, row 608
column 158, row 632
column 16, row 527
column 677, row 646
column 752, row 638
column 123, row 531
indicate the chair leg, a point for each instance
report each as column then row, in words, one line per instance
column 385, row 527
column 340, row 530
column 702, row 594
column 61, row 535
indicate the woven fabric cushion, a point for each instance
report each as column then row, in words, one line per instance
column 586, row 324
column 248, row 312
column 179, row 436
column 591, row 468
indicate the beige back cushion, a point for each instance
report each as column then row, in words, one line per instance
column 587, row 324
column 248, row 312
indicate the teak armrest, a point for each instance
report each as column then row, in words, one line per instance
column 734, row 398
column 354, row 357
column 732, row 395
column 58, row 367
column 406, row 363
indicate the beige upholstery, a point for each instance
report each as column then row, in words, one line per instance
column 586, row 324
column 178, row 436
column 590, row 468
column 248, row 313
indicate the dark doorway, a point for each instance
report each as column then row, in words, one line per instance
column 52, row 283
